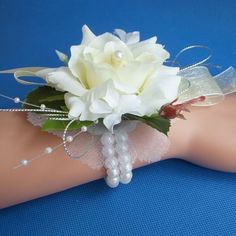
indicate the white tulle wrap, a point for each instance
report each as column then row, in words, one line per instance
column 152, row 150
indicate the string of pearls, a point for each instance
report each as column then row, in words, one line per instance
column 41, row 108
column 69, row 139
column 117, row 160
column 49, row 150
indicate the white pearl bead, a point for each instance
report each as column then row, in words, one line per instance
column 118, row 54
column 24, row 162
column 113, row 172
column 126, row 178
column 42, row 107
column 111, row 163
column 121, row 137
column 122, row 148
column 112, row 182
column 107, row 139
column 69, row 139
column 84, row 129
column 48, row 150
column 125, row 167
column 108, row 151
column 124, row 158
column 16, row 100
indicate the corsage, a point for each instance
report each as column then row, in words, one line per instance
column 108, row 85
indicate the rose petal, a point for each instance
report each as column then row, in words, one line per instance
column 135, row 74
column 63, row 80
column 151, row 40
column 97, row 74
column 112, row 97
column 88, row 35
column 155, row 49
column 100, row 107
column 132, row 37
column 76, row 65
column 109, row 57
column 128, row 38
column 123, row 87
column 102, row 39
column 159, row 90
column 167, row 70
column 111, row 120
column 87, row 115
column 121, row 34
column 129, row 104
column 74, row 104
column 44, row 73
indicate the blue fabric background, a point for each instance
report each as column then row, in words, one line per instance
column 167, row 198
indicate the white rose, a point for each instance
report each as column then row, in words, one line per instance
column 104, row 57
column 108, row 76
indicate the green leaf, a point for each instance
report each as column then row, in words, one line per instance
column 64, row 108
column 58, row 97
column 54, row 99
column 155, row 121
column 46, row 95
column 58, row 125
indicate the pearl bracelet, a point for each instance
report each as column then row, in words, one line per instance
column 117, row 160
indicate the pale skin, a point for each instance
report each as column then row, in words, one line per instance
column 207, row 138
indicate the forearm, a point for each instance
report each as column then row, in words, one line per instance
column 213, row 135
column 53, row 173
column 207, row 138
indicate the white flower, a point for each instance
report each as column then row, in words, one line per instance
column 103, row 101
column 108, row 76
column 105, row 57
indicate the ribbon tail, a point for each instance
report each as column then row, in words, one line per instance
column 200, row 82
column 226, row 80
column 39, row 72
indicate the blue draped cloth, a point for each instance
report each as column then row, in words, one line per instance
column 166, row 198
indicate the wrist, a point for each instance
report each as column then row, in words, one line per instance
column 182, row 134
